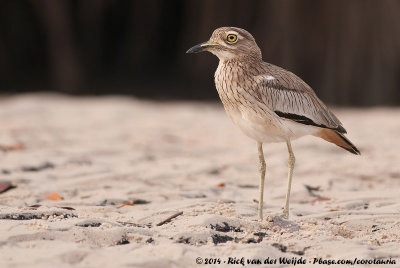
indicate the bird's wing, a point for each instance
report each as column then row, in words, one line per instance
column 291, row 98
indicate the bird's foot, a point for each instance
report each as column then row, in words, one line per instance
column 285, row 214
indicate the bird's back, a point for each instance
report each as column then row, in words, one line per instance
column 264, row 98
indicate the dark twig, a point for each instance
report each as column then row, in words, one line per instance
column 312, row 189
column 170, row 218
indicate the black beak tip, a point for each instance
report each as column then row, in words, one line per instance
column 197, row 48
column 194, row 49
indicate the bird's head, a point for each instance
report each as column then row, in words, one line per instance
column 229, row 43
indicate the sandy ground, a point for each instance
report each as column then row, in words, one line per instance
column 187, row 162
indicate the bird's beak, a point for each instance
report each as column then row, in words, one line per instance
column 202, row 47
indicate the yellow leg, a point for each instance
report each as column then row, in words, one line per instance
column 262, row 178
column 291, row 162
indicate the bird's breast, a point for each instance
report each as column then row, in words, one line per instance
column 227, row 82
column 235, row 87
column 237, row 93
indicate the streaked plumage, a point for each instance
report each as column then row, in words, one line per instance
column 268, row 103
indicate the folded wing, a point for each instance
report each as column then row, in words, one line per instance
column 291, row 98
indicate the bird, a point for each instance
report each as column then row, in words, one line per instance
column 268, row 103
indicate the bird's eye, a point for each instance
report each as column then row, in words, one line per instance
column 231, row 38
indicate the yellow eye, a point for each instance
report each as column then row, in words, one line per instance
column 231, row 38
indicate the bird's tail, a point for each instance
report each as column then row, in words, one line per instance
column 339, row 139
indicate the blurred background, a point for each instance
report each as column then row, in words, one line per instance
column 348, row 51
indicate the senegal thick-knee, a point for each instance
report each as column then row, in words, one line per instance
column 267, row 102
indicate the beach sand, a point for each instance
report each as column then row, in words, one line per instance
column 185, row 161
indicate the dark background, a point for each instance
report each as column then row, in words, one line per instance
column 347, row 50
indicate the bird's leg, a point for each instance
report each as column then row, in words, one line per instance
column 262, row 178
column 291, row 162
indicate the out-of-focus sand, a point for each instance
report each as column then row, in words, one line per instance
column 99, row 153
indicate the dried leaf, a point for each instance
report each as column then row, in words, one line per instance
column 34, row 206
column 125, row 204
column 54, row 196
column 41, row 167
column 319, row 199
column 13, row 147
column 5, row 186
column 134, row 202
column 139, row 202
column 68, row 208
column 221, row 185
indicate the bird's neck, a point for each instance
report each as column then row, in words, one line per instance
column 241, row 59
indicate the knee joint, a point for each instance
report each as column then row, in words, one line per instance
column 291, row 160
column 262, row 166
